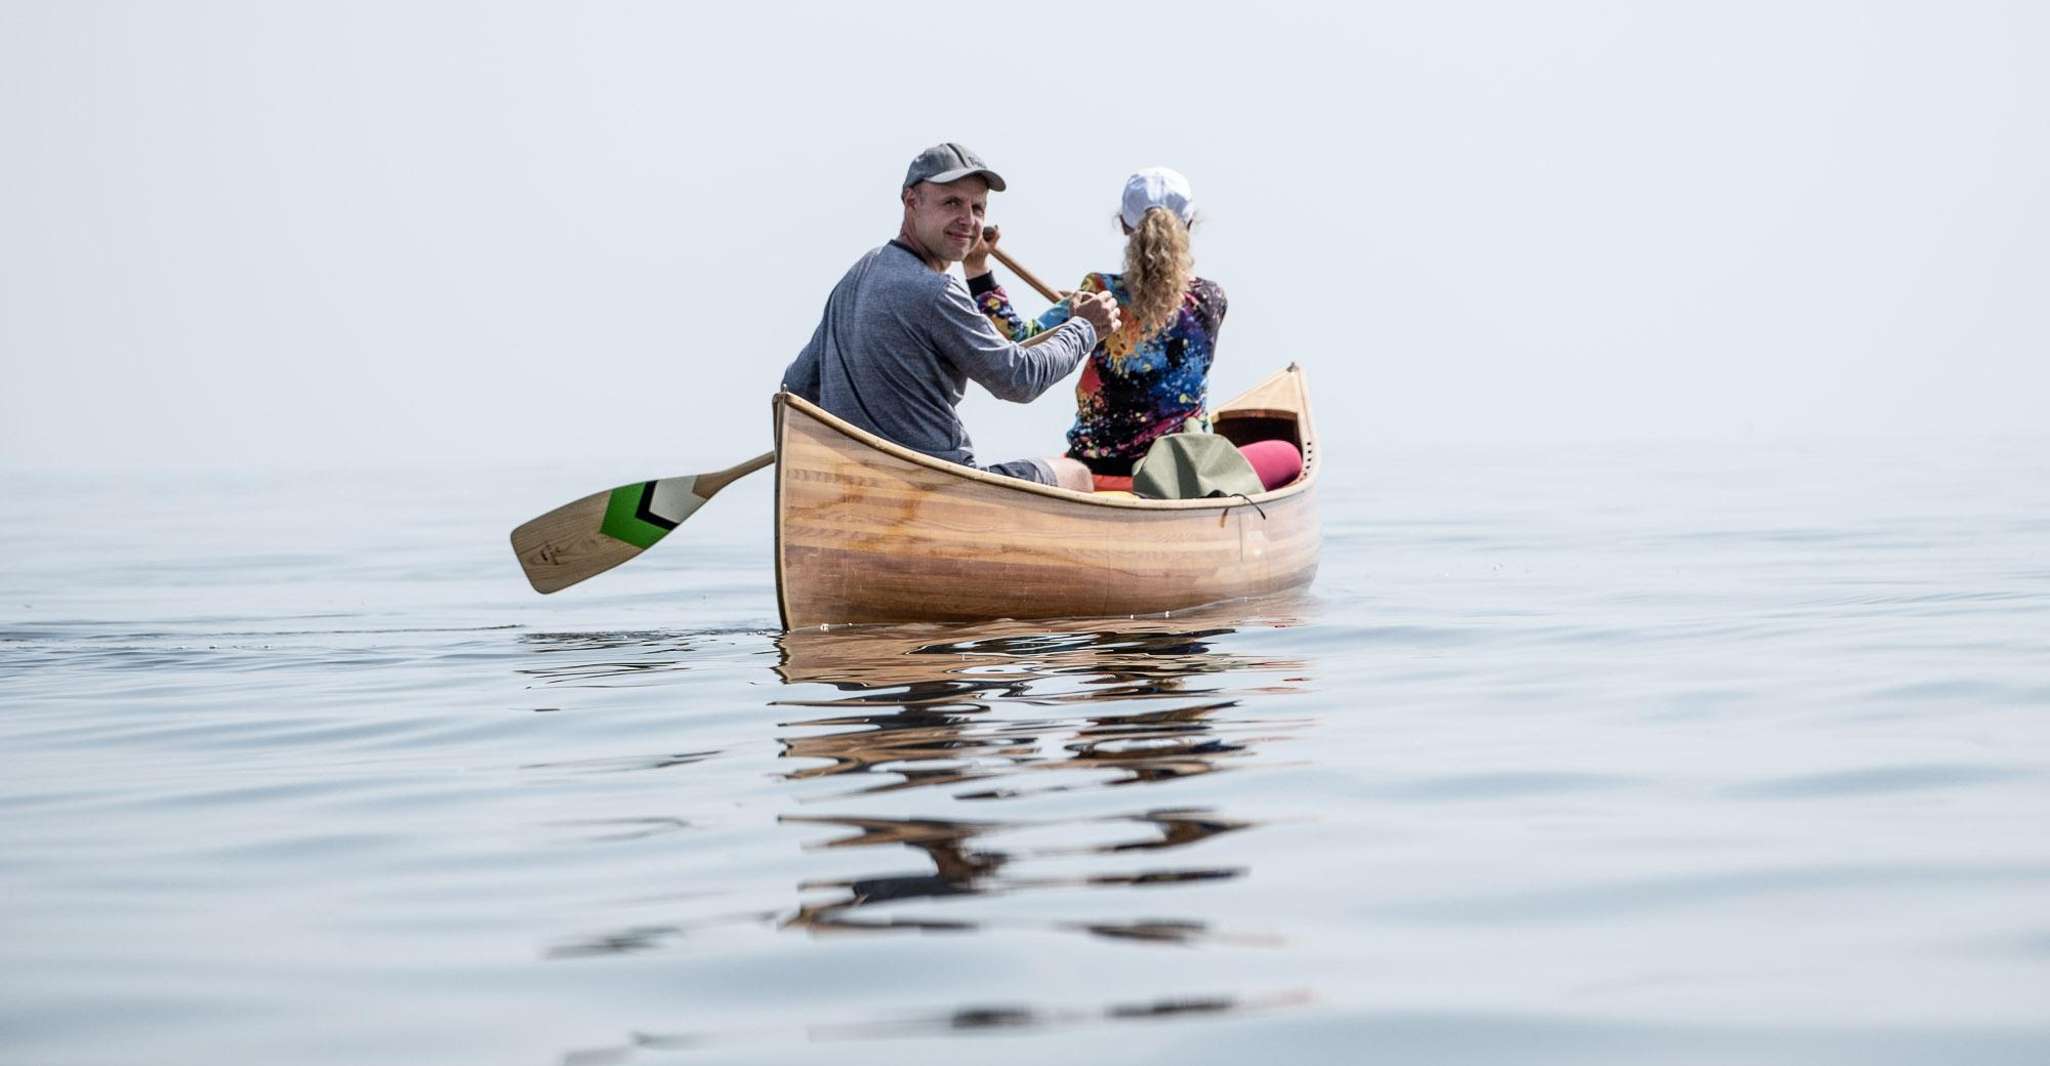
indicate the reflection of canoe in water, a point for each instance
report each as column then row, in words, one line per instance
column 950, row 662
column 868, row 531
column 1022, row 706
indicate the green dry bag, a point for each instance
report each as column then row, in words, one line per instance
column 1189, row 466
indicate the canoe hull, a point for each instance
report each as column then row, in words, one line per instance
column 869, row 532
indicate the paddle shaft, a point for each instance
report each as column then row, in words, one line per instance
column 1025, row 275
column 707, row 484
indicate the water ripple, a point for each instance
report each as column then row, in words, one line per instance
column 1877, row 780
column 1607, row 900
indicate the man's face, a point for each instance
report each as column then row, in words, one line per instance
column 947, row 218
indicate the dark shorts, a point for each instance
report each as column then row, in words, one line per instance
column 1112, row 467
column 1037, row 471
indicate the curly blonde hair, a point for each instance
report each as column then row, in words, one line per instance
column 1158, row 269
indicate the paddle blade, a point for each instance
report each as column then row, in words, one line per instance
column 586, row 538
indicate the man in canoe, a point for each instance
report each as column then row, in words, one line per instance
column 901, row 338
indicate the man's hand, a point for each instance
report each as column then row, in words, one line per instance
column 1100, row 308
column 976, row 262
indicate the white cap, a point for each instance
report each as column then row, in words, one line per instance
column 1157, row 187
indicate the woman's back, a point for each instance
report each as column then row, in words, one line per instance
column 1138, row 385
column 1151, row 375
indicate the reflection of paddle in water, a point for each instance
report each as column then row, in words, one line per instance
column 987, row 1017
column 963, row 870
column 959, row 869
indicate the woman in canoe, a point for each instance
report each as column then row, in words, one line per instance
column 1150, row 376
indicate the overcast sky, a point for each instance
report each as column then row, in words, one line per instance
column 497, row 232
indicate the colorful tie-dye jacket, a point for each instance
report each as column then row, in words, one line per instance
column 1133, row 390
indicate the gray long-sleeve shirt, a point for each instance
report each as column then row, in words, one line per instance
column 899, row 343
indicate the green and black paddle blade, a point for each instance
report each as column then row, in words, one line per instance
column 586, row 538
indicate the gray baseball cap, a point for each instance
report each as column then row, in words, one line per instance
column 943, row 163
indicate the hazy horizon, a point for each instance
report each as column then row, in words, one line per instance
column 379, row 235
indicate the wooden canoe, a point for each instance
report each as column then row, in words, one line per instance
column 870, row 531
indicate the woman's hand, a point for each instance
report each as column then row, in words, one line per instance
column 976, row 262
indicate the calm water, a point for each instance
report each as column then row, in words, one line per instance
column 1705, row 754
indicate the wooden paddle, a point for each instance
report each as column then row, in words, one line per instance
column 586, row 538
